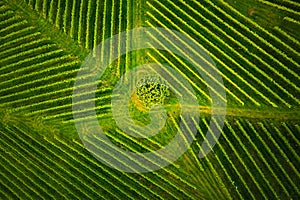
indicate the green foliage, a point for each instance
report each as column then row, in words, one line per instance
column 255, row 45
column 152, row 90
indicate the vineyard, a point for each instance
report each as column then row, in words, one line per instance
column 255, row 45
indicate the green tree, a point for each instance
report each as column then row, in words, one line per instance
column 152, row 90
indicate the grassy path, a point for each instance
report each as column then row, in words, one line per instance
column 267, row 113
column 256, row 113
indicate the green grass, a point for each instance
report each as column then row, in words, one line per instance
column 255, row 45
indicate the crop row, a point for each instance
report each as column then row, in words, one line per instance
column 34, row 177
column 70, row 181
column 91, row 176
column 195, row 74
column 273, row 43
column 207, row 178
column 28, row 88
column 290, row 40
column 293, row 5
column 87, row 22
column 263, row 33
column 85, row 186
column 282, row 7
column 15, row 183
column 57, row 69
column 92, row 161
column 64, row 111
column 229, row 80
column 250, row 153
column 267, row 77
column 56, row 157
column 167, row 184
column 31, row 166
column 131, row 143
column 212, row 165
column 155, row 179
column 278, row 43
column 84, row 158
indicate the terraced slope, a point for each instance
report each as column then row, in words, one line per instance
column 255, row 45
